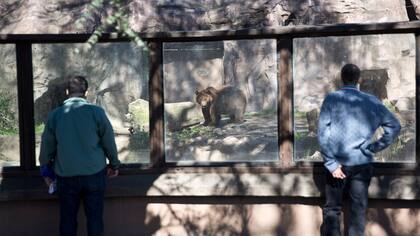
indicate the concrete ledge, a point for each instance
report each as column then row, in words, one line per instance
column 397, row 187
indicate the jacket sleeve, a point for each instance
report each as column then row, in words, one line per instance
column 391, row 127
column 324, row 131
column 48, row 150
column 106, row 135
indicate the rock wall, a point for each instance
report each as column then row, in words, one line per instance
column 318, row 61
column 117, row 75
column 247, row 64
column 58, row 16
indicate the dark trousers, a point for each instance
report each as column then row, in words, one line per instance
column 89, row 189
column 356, row 184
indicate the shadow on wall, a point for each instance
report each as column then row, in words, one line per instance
column 53, row 97
column 231, row 220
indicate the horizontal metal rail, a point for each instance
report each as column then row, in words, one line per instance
column 211, row 35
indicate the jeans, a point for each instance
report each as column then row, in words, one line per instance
column 71, row 191
column 356, row 184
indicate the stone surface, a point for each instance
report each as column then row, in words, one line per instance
column 388, row 58
column 247, row 64
column 138, row 115
column 406, row 104
column 58, row 16
column 116, row 73
column 253, row 140
column 182, row 114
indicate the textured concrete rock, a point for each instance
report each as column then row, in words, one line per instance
column 139, row 115
column 387, row 63
column 116, row 74
column 415, row 6
column 182, row 114
column 247, row 64
column 374, row 82
column 406, row 103
column 58, row 16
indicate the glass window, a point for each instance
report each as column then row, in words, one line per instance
column 221, row 101
column 118, row 82
column 9, row 123
column 387, row 64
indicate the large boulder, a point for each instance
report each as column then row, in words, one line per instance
column 406, row 104
column 138, row 115
column 179, row 115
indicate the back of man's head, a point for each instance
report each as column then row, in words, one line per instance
column 77, row 86
column 350, row 74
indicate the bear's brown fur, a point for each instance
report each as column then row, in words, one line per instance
column 228, row 100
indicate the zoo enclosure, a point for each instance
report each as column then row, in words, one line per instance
column 284, row 37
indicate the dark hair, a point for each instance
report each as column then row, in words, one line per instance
column 350, row 74
column 77, row 85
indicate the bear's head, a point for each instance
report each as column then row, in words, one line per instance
column 205, row 97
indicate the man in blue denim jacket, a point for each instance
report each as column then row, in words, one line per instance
column 347, row 122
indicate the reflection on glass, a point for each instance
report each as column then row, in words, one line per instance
column 9, row 123
column 387, row 64
column 220, row 101
column 118, row 81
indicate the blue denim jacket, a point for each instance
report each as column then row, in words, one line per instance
column 347, row 122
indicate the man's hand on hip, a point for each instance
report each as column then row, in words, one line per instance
column 338, row 173
column 111, row 173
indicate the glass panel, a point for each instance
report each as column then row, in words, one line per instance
column 220, row 101
column 118, row 81
column 9, row 120
column 387, row 64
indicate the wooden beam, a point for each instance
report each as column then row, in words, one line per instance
column 157, row 147
column 417, row 97
column 285, row 100
column 26, row 105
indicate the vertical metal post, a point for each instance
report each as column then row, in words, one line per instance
column 285, row 100
column 26, row 105
column 417, row 95
column 157, row 147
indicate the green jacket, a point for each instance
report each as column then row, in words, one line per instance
column 77, row 139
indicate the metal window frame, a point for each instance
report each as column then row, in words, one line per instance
column 284, row 37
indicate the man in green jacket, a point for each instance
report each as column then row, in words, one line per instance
column 77, row 140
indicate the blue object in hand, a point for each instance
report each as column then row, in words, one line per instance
column 46, row 171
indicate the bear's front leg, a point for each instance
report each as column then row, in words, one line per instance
column 206, row 115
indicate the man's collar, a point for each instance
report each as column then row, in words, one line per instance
column 75, row 99
column 352, row 87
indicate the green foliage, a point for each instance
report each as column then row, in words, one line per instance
column 390, row 106
column 118, row 19
column 193, row 132
column 140, row 140
column 299, row 136
column 299, row 114
column 39, row 129
column 8, row 119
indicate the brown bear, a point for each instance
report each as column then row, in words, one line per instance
column 228, row 100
